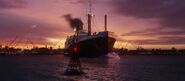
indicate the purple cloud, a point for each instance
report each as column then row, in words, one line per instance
column 24, row 27
column 171, row 15
column 12, row 3
column 161, row 36
column 170, row 12
column 148, row 32
column 166, row 40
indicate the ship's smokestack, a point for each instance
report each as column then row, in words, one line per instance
column 89, row 23
column 105, row 22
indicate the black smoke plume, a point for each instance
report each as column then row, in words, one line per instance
column 75, row 23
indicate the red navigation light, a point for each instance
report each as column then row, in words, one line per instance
column 75, row 49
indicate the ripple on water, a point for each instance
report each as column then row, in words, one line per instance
column 127, row 68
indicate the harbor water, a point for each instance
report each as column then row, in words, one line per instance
column 109, row 68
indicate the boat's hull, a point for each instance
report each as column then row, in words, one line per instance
column 93, row 47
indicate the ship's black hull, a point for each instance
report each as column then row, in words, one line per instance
column 93, row 47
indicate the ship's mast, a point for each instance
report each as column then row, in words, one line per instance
column 89, row 18
column 90, row 6
column 105, row 22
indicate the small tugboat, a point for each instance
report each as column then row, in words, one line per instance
column 86, row 43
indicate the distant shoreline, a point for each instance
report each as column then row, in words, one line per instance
column 117, row 53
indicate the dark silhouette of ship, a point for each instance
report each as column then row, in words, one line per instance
column 86, row 43
column 90, row 45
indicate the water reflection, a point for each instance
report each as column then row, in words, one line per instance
column 128, row 68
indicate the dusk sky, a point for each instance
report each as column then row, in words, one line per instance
column 147, row 23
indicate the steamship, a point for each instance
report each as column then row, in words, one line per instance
column 86, row 44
